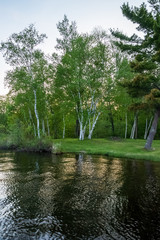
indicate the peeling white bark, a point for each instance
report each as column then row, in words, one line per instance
column 91, row 118
column 92, row 115
column 81, row 118
column 82, row 131
column 95, row 119
column 36, row 112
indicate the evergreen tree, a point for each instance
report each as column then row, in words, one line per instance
column 145, row 53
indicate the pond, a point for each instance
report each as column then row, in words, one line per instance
column 44, row 196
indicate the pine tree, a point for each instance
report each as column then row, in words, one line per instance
column 145, row 53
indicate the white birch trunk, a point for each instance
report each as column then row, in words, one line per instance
column 147, row 128
column 89, row 125
column 93, row 125
column 83, row 124
column 36, row 112
column 64, row 127
column 82, row 128
column 43, row 127
column 91, row 111
column 126, row 127
column 80, row 118
column 133, row 129
column 82, row 131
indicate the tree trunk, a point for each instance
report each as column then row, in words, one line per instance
column 126, row 127
column 93, row 125
column 81, row 132
column 36, row 112
column 153, row 130
column 147, row 128
column 64, row 127
column 43, row 127
column 134, row 128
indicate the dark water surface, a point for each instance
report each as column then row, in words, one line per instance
column 69, row 197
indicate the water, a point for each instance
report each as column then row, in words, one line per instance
column 47, row 197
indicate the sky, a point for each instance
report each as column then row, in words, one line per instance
column 15, row 15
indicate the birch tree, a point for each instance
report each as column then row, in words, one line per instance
column 20, row 51
column 68, row 32
column 80, row 77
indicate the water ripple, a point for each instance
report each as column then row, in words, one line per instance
column 81, row 197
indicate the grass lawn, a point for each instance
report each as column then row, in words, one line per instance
column 122, row 148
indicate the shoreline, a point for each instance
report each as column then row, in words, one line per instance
column 121, row 148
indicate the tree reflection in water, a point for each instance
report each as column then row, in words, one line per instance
column 79, row 196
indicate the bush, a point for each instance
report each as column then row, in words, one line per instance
column 56, row 148
column 37, row 145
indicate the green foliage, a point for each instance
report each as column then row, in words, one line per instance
column 16, row 133
column 29, row 78
column 68, row 32
column 3, row 128
column 37, row 145
column 56, row 148
column 145, row 51
column 18, row 50
column 86, row 71
column 3, row 141
column 145, row 58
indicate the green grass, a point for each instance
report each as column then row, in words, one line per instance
column 123, row 148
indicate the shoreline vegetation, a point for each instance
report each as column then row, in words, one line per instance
column 112, row 147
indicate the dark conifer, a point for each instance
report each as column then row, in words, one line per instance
column 145, row 52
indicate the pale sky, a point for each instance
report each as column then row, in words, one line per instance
column 15, row 15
